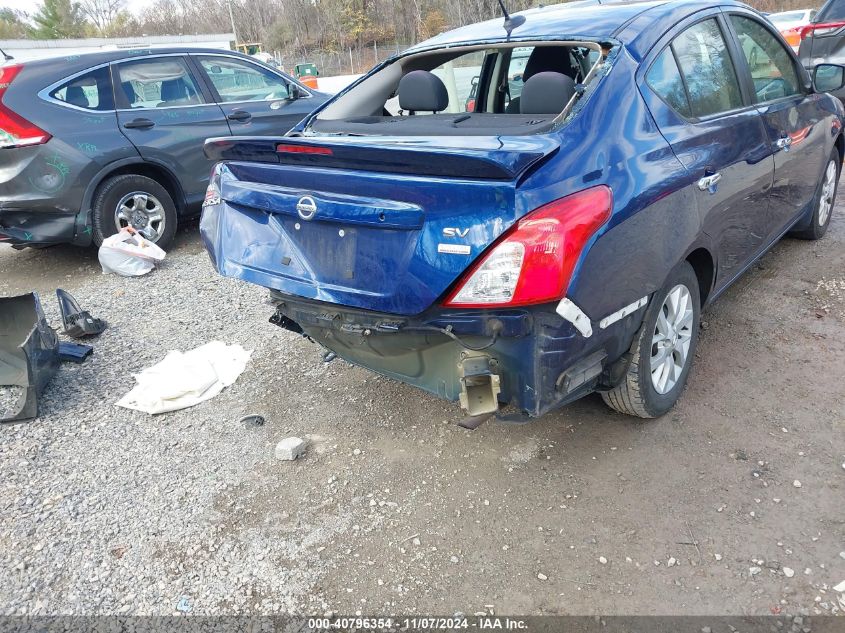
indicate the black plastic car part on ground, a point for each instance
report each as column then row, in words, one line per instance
column 91, row 143
column 29, row 353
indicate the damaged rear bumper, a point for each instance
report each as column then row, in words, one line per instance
column 40, row 227
column 531, row 358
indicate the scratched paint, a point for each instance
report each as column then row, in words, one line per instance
column 88, row 148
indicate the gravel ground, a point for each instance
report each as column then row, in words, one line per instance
column 730, row 504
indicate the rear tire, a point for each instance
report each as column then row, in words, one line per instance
column 663, row 349
column 824, row 200
column 137, row 201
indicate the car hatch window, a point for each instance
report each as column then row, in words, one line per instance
column 91, row 91
column 707, row 69
column 158, row 83
column 236, row 80
column 772, row 69
column 665, row 79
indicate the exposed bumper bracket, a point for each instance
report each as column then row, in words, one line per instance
column 480, row 387
column 572, row 313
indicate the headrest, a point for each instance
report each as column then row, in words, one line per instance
column 129, row 90
column 546, row 93
column 422, row 91
column 548, row 59
column 75, row 95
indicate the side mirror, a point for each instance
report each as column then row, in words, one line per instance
column 828, row 77
column 295, row 92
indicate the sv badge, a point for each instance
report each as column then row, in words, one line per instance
column 455, row 232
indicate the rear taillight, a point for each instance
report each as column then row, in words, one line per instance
column 16, row 131
column 821, row 29
column 793, row 36
column 212, row 192
column 533, row 262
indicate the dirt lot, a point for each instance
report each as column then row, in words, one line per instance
column 731, row 504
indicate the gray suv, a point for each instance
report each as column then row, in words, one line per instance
column 823, row 40
column 92, row 143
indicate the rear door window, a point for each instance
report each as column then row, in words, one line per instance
column 158, row 83
column 708, row 72
column 770, row 64
column 91, row 91
column 665, row 80
column 237, row 81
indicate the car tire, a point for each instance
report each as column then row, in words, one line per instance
column 824, row 200
column 643, row 391
column 132, row 199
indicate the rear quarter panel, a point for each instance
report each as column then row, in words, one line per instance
column 655, row 222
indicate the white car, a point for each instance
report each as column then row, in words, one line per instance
column 789, row 23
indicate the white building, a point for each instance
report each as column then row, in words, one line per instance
column 26, row 50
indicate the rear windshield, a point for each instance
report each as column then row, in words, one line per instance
column 505, row 90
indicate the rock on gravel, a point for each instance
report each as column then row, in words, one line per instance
column 290, row 448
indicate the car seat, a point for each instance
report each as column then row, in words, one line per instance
column 422, row 91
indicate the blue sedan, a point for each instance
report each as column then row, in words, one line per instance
column 620, row 167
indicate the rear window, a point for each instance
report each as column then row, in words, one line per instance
column 832, row 10
column 475, row 90
column 91, row 91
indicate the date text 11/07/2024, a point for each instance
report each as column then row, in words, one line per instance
column 484, row 623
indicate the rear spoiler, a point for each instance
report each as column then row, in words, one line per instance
column 488, row 158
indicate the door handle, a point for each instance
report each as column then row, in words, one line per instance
column 784, row 143
column 709, row 182
column 241, row 116
column 139, row 124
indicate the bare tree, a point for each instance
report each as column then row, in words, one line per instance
column 101, row 12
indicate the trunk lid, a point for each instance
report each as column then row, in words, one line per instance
column 384, row 226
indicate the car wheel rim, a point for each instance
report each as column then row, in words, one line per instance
column 143, row 212
column 671, row 340
column 828, row 191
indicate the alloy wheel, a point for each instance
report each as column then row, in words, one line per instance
column 670, row 342
column 828, row 191
column 143, row 212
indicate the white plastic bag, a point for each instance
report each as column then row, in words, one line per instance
column 129, row 254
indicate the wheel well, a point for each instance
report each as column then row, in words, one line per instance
column 159, row 174
column 702, row 263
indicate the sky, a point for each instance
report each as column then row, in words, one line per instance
column 32, row 6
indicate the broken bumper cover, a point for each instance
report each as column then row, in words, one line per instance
column 36, row 227
column 29, row 352
column 530, row 358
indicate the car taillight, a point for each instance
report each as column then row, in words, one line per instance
column 533, row 262
column 16, row 131
column 821, row 29
column 212, row 192
column 793, row 36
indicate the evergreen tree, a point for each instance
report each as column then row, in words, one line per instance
column 58, row 19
